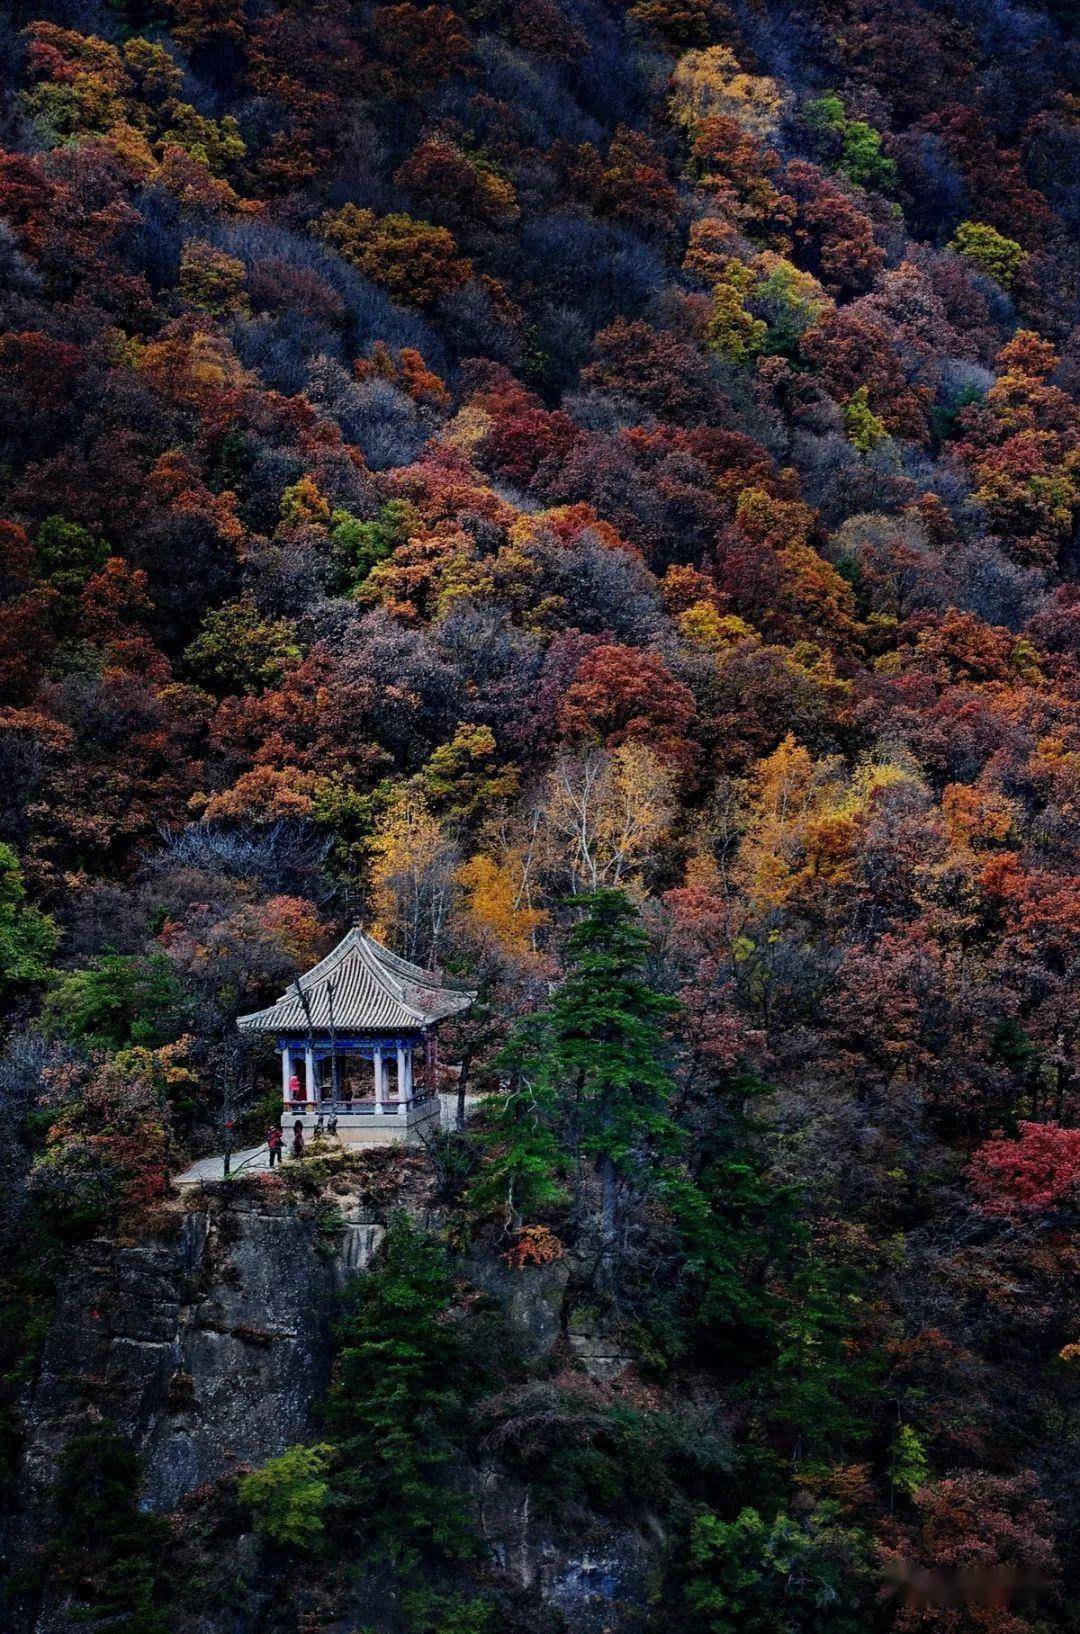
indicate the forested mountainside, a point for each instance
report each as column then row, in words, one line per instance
column 587, row 491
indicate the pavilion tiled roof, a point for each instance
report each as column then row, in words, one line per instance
column 362, row 987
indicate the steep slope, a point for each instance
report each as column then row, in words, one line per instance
column 456, row 460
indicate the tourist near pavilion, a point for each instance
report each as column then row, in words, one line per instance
column 358, row 1042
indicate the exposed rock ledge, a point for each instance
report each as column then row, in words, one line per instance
column 209, row 1350
column 206, row 1349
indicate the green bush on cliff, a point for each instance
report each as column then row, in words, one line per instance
column 757, row 1576
column 107, row 1551
column 288, row 1495
column 581, row 1454
column 429, row 1612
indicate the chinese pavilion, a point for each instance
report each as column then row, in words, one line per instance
column 357, row 1037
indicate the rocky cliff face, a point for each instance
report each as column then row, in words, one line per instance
column 210, row 1348
column 207, row 1348
column 599, row 1585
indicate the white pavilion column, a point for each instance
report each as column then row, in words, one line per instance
column 309, row 1074
column 402, row 1083
column 380, row 1082
column 408, row 1073
column 286, row 1073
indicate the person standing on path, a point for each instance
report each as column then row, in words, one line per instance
column 276, row 1144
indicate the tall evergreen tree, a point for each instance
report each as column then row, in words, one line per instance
column 396, row 1408
column 587, row 1073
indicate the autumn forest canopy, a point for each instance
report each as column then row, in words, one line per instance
column 589, row 491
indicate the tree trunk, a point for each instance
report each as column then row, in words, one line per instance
column 462, row 1085
column 609, row 1223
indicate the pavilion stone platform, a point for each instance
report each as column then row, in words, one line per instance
column 358, row 1042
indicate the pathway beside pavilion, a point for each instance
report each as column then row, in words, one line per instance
column 256, row 1159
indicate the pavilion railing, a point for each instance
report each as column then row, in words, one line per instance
column 362, row 1106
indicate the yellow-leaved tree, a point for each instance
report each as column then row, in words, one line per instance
column 805, row 818
column 711, row 83
column 497, row 897
column 607, row 813
column 413, row 865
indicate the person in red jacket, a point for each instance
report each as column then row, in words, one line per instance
column 275, row 1143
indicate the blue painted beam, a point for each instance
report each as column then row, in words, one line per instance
column 347, row 1045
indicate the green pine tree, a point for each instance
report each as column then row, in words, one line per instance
column 781, row 1576
column 588, row 1076
column 732, row 1223
column 117, row 1000
column 820, row 1382
column 108, row 1551
column 396, row 1408
column 27, row 938
column 521, row 1176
